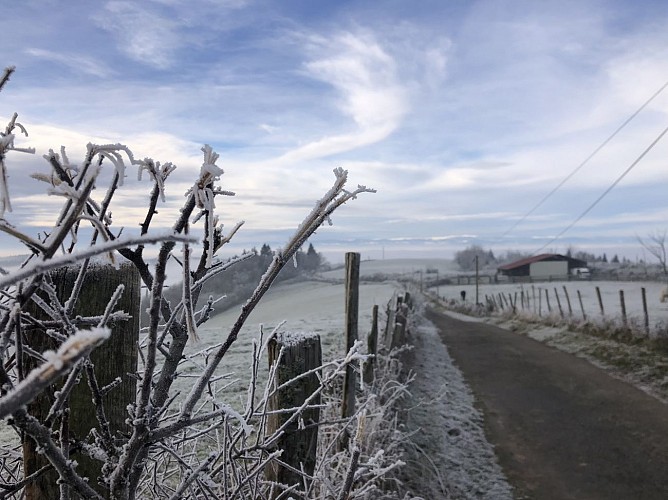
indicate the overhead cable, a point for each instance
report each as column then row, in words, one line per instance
column 586, row 160
column 610, row 188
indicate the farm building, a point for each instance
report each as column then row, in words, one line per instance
column 542, row 267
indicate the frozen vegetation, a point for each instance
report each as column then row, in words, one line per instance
column 657, row 310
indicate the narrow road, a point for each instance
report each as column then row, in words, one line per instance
column 562, row 428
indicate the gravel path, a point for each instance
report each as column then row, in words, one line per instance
column 562, row 428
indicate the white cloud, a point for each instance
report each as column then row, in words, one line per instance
column 369, row 91
column 141, row 32
column 76, row 62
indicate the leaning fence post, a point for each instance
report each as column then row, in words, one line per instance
column 115, row 358
column 643, row 292
column 372, row 347
column 568, row 301
column 547, row 300
column 296, row 355
column 556, row 294
column 584, row 315
column 600, row 300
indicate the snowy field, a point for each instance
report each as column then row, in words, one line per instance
column 398, row 268
column 302, row 307
column 454, row 457
column 658, row 312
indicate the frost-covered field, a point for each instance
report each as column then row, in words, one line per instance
column 452, row 445
column 308, row 307
column 658, row 312
column 401, row 268
column 302, row 307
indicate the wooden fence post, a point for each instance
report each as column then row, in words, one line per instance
column 540, row 303
column 408, row 300
column 584, row 314
column 115, row 358
column 568, row 301
column 400, row 322
column 600, row 300
column 547, row 300
column 556, row 294
column 643, row 292
column 372, row 347
column 299, row 353
column 622, row 303
column 352, row 310
column 387, row 335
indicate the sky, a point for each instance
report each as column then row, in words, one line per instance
column 462, row 115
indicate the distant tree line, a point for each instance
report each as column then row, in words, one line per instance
column 465, row 259
column 238, row 282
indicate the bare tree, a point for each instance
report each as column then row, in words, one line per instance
column 655, row 244
column 192, row 445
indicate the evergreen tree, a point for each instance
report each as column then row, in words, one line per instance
column 312, row 259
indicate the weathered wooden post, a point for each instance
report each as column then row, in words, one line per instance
column 547, row 301
column 533, row 295
column 351, row 311
column 408, row 300
column 389, row 325
column 643, row 292
column 556, row 294
column 600, row 300
column 400, row 322
column 299, row 354
column 584, row 314
column 622, row 303
column 540, row 303
column 568, row 301
column 476, row 281
column 372, row 347
column 116, row 358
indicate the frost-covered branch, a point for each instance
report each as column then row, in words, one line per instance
column 322, row 211
column 199, row 445
column 37, row 268
column 56, row 365
column 6, row 73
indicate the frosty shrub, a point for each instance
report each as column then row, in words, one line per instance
column 193, row 445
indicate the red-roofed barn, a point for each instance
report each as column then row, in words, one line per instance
column 545, row 266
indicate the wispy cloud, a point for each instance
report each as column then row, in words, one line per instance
column 141, row 31
column 368, row 91
column 76, row 62
column 462, row 114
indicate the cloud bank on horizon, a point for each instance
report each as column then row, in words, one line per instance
column 462, row 115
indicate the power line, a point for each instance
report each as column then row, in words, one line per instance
column 586, row 160
column 610, row 188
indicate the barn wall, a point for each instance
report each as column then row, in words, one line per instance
column 547, row 269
